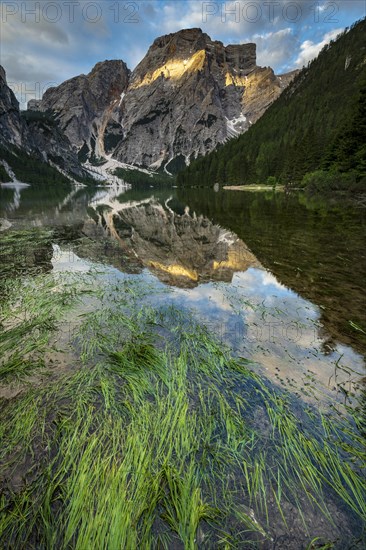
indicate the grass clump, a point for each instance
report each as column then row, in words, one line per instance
column 24, row 252
column 154, row 443
column 29, row 316
column 34, row 305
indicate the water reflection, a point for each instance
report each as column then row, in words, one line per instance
column 259, row 318
column 276, row 303
column 26, row 206
column 269, row 324
column 183, row 250
column 314, row 246
column 262, row 319
column 17, row 189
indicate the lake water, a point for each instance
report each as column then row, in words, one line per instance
column 278, row 278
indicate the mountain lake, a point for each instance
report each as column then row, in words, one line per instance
column 181, row 368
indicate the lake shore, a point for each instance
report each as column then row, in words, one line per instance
column 253, row 188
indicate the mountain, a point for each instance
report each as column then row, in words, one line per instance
column 186, row 96
column 33, row 148
column 86, row 105
column 190, row 93
column 316, row 127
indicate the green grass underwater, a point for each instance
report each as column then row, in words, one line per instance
column 155, row 436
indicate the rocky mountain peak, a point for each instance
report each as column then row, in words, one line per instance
column 175, row 55
column 37, row 135
column 83, row 105
column 184, row 43
column 108, row 65
column 181, row 40
column 110, row 71
column 188, row 94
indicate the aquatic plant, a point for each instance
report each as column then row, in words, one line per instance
column 154, row 440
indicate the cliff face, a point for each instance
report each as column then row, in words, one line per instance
column 84, row 105
column 318, row 122
column 190, row 93
column 54, row 147
column 36, row 134
column 13, row 129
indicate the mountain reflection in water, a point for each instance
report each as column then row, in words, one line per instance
column 213, row 273
column 183, row 250
column 246, row 296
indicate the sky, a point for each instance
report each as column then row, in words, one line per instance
column 43, row 43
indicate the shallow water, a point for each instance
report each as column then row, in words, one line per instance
column 263, row 272
column 279, row 278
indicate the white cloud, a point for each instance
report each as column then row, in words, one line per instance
column 309, row 49
column 273, row 47
column 33, row 33
column 29, row 78
column 45, row 51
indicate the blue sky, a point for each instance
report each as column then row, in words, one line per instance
column 43, row 42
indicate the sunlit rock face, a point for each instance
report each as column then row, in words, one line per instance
column 190, row 93
column 86, row 104
column 182, row 250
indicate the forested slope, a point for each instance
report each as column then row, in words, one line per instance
column 318, row 123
